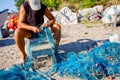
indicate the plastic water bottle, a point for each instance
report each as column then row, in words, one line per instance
column 109, row 20
column 113, row 38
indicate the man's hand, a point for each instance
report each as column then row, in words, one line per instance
column 44, row 25
column 36, row 29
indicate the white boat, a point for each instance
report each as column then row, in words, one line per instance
column 3, row 17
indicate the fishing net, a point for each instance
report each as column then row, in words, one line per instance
column 26, row 71
column 22, row 71
column 100, row 61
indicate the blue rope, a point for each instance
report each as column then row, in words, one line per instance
column 104, row 59
column 44, row 36
column 25, row 71
column 22, row 72
column 101, row 60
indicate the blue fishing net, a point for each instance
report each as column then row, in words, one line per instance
column 101, row 60
column 26, row 71
column 22, row 71
column 43, row 38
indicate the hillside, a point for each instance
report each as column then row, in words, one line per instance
column 76, row 6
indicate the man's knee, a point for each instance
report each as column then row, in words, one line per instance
column 22, row 33
column 57, row 33
column 57, row 26
column 17, row 32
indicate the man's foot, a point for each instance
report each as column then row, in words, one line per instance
column 111, row 78
column 24, row 60
column 21, row 61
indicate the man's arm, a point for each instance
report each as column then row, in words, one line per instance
column 22, row 24
column 50, row 17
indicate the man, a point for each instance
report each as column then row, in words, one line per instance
column 30, row 16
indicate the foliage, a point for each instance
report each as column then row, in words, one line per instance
column 76, row 4
column 88, row 26
column 18, row 3
column 52, row 3
column 74, row 1
column 80, row 4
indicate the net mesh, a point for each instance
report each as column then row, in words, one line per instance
column 101, row 60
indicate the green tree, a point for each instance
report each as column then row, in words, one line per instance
column 50, row 3
column 18, row 3
column 76, row 4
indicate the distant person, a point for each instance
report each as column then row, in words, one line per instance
column 31, row 15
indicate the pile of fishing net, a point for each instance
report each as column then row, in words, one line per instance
column 26, row 71
column 22, row 72
column 100, row 61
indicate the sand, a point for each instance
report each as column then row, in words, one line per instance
column 72, row 38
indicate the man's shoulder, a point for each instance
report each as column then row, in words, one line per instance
column 25, row 3
column 43, row 5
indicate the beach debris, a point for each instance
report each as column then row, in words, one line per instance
column 86, row 32
column 109, row 15
column 12, row 22
column 66, row 16
column 89, row 26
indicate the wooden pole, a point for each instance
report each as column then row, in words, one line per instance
column 115, row 22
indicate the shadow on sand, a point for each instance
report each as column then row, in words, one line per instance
column 6, row 42
column 80, row 45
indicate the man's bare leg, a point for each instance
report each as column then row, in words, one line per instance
column 20, row 34
column 56, row 29
column 57, row 33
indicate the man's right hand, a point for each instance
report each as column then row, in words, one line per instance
column 36, row 29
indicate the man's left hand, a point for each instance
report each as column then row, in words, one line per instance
column 44, row 25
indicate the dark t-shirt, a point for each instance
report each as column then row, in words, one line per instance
column 34, row 18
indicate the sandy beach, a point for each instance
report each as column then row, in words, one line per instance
column 73, row 37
